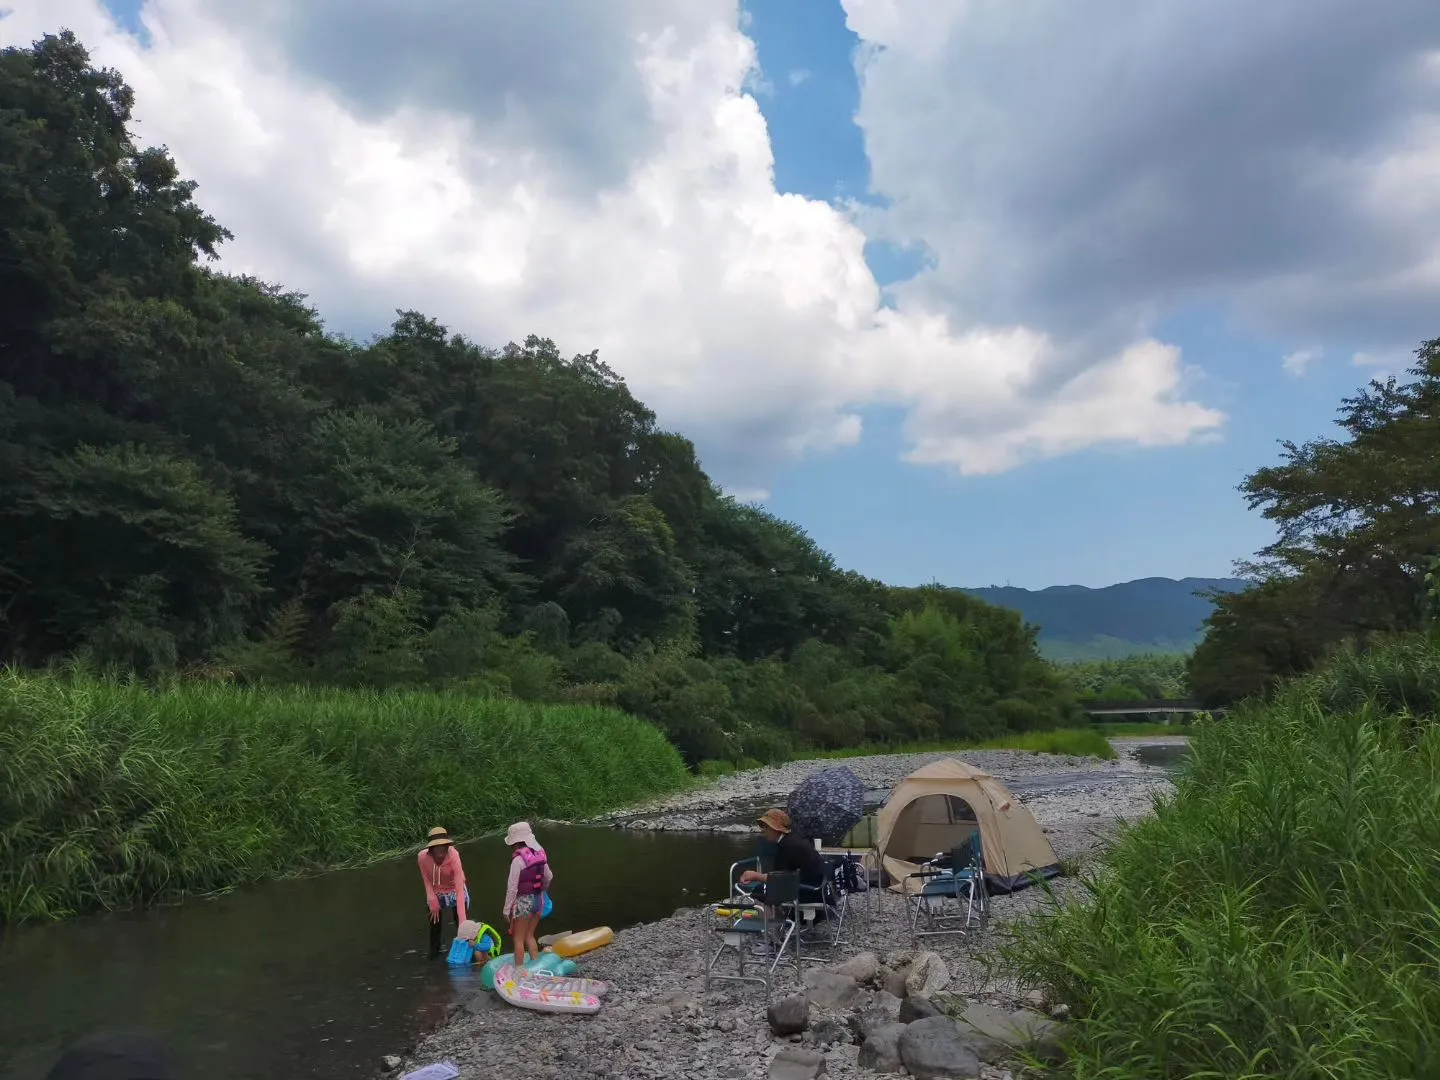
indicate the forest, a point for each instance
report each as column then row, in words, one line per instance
column 1356, row 558
column 202, row 482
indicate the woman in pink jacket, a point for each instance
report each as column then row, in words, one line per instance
column 444, row 878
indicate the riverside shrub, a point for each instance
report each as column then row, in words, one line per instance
column 1278, row 916
column 114, row 794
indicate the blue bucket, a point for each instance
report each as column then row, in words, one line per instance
column 462, row 953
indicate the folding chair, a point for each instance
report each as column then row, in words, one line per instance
column 742, row 922
column 823, row 912
column 948, row 893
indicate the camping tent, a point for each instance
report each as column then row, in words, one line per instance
column 937, row 808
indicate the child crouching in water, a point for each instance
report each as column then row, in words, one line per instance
column 530, row 877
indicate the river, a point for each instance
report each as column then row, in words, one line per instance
column 317, row 977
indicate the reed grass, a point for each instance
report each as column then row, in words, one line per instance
column 1074, row 742
column 1280, row 916
column 113, row 794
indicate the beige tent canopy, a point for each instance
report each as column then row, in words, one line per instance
column 938, row 807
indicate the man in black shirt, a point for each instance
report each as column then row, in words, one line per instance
column 793, row 853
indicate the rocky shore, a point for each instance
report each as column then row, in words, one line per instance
column 843, row 1019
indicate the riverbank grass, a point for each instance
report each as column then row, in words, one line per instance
column 1074, row 742
column 113, row 794
column 1278, row 917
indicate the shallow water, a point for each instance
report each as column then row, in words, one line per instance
column 1168, row 756
column 318, row 977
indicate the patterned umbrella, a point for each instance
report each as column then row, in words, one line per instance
column 827, row 804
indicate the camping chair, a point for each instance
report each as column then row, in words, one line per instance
column 948, row 893
column 820, row 914
column 742, row 923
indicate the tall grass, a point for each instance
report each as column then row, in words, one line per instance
column 1280, row 917
column 1075, row 742
column 112, row 794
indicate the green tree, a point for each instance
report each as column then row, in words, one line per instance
column 383, row 505
column 1357, row 521
column 122, row 545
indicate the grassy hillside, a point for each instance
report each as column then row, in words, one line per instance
column 1150, row 615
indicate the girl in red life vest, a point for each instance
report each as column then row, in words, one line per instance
column 530, row 877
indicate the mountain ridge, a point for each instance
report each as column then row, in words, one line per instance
column 1080, row 622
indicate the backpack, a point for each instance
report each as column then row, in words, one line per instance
column 532, row 874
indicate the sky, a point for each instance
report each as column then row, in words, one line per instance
column 974, row 291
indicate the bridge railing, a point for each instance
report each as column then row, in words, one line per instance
column 1146, row 705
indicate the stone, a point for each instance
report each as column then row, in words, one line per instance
column 996, row 1034
column 390, row 1062
column 1060, row 1011
column 893, row 982
column 883, row 1011
column 725, row 1025
column 1035, row 999
column 917, row 1008
column 789, row 1015
column 880, row 1052
column 828, row 1032
column 831, row 990
column 862, row 967
column 934, row 1048
column 928, row 974
column 797, row 1065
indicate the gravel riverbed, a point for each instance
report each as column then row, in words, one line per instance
column 658, row 1021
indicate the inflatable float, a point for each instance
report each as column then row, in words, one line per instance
column 546, row 993
column 593, row 987
column 583, row 941
column 548, row 962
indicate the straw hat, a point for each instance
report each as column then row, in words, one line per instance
column 776, row 819
column 521, row 833
column 439, row 838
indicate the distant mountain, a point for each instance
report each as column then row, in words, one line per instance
column 1156, row 615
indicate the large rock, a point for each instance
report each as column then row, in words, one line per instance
column 794, row 1064
column 996, row 1034
column 831, row 990
column 918, row 1008
column 927, row 974
column 862, row 967
column 934, row 1048
column 883, row 1011
column 880, row 1052
column 893, row 982
column 789, row 1015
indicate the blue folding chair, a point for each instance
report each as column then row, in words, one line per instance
column 948, row 894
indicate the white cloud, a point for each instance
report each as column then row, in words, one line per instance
column 1299, row 361
column 799, row 75
column 747, row 318
column 1087, row 168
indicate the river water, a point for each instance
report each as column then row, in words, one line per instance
column 317, row 977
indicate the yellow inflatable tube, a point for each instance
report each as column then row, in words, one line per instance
column 583, row 941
